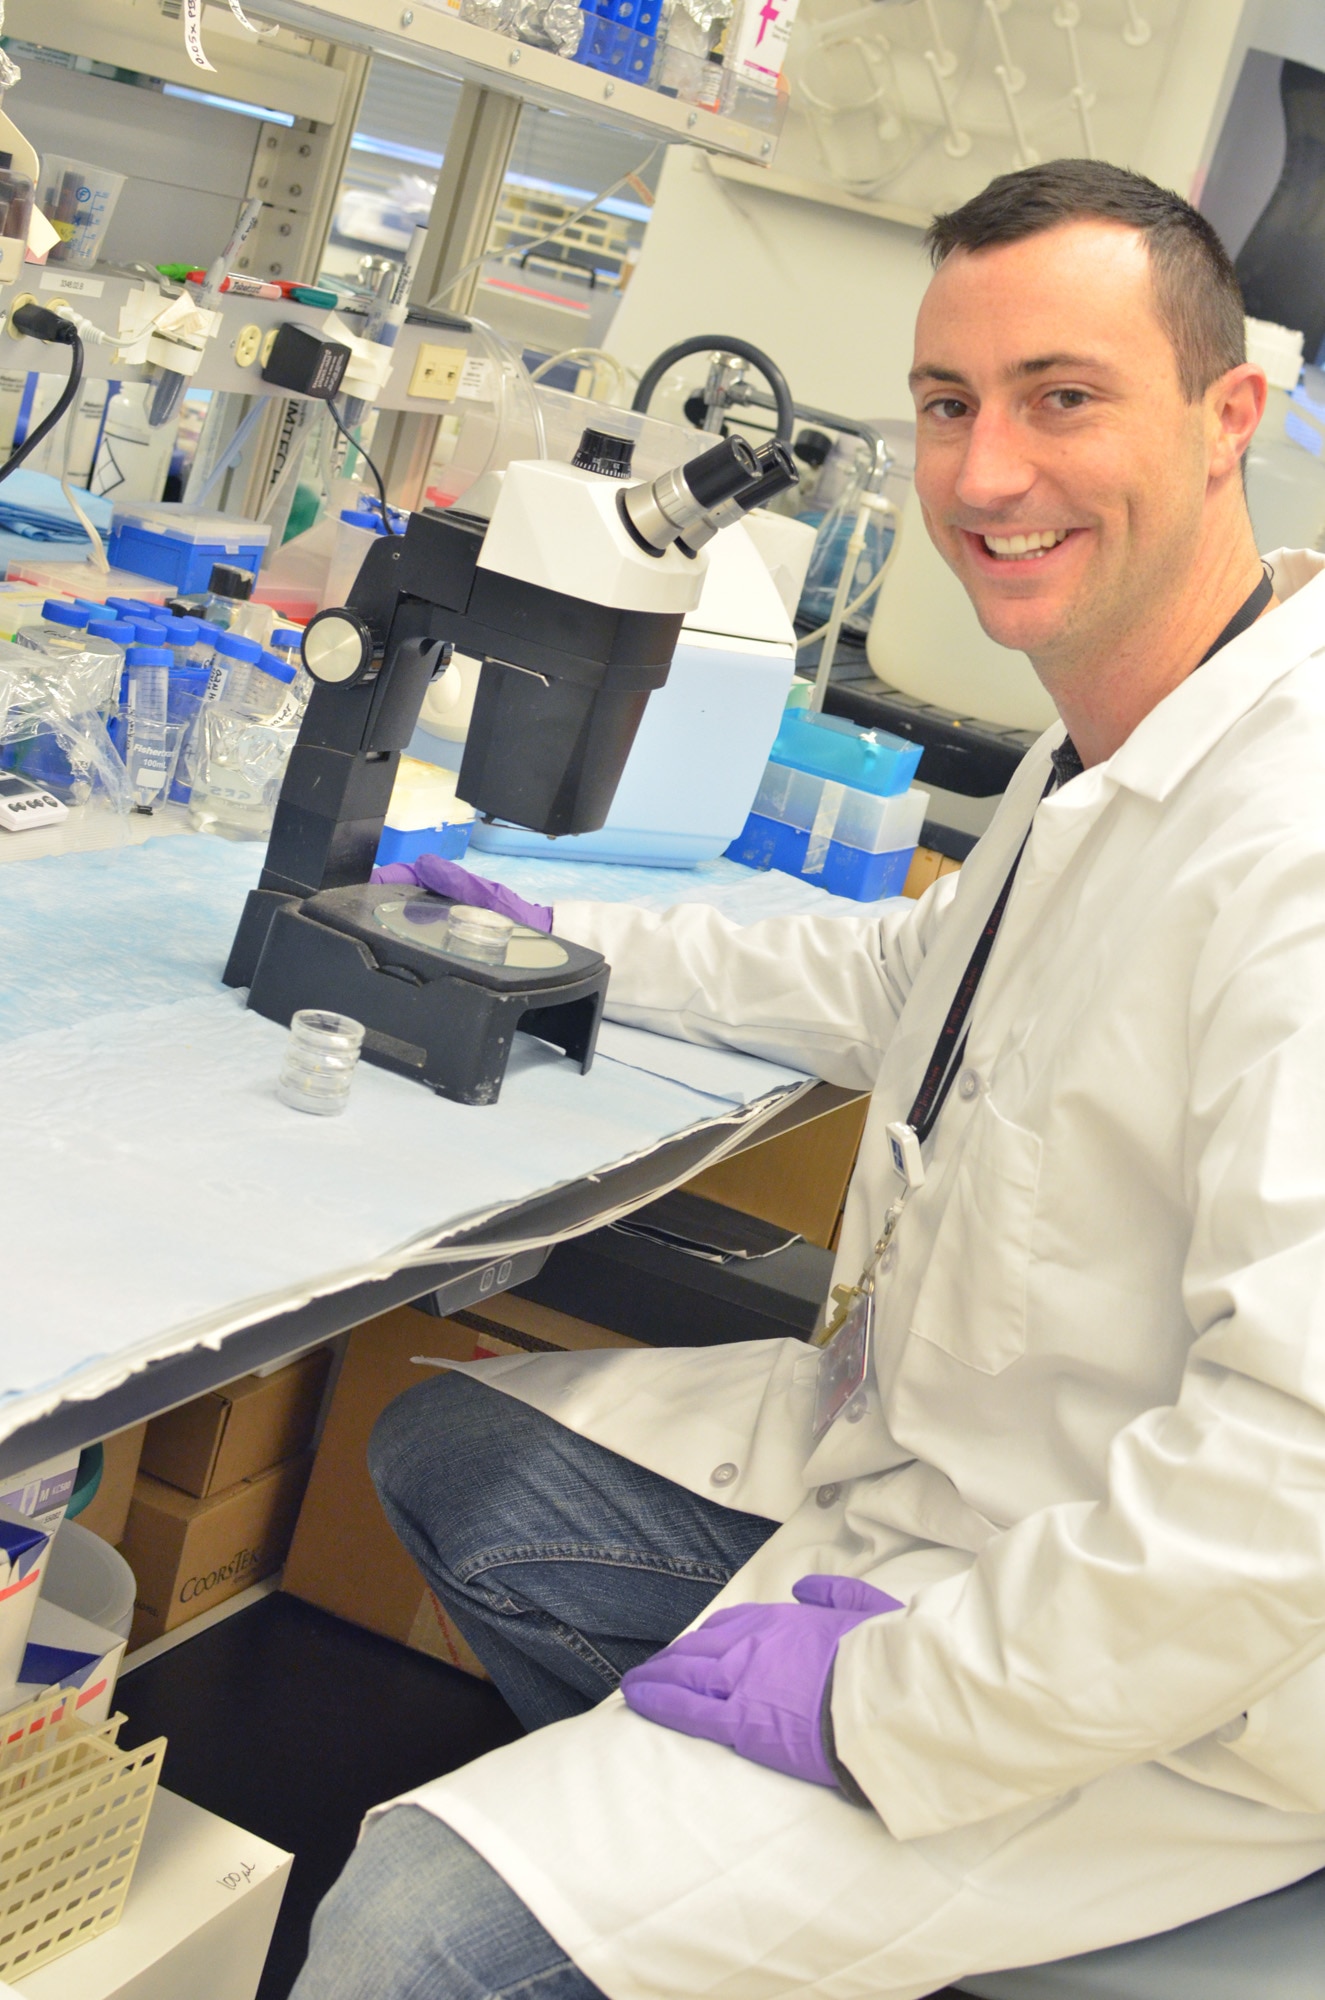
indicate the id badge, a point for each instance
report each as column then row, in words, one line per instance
column 844, row 1363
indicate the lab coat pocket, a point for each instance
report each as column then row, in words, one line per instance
column 972, row 1301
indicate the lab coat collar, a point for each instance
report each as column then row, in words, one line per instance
column 1169, row 742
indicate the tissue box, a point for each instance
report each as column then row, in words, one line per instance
column 177, row 543
column 24, row 1548
column 65, row 1651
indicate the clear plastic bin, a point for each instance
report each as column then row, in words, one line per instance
column 831, row 811
column 873, row 760
column 84, row 579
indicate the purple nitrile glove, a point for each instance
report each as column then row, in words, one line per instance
column 449, row 879
column 755, row 1676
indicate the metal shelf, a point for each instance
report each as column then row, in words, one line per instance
column 432, row 39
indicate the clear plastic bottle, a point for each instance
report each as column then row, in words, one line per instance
column 147, row 674
column 287, row 645
column 258, row 687
column 62, row 628
column 182, row 637
column 186, row 695
column 204, row 644
column 228, row 602
column 232, row 650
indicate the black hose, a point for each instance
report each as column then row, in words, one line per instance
column 52, row 418
column 722, row 343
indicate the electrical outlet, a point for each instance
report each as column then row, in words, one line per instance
column 247, row 342
column 23, row 299
column 436, row 373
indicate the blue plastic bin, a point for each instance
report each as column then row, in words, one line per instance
column 872, row 760
column 847, row 871
column 181, row 546
column 450, row 841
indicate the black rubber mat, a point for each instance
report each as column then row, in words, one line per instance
column 292, row 1724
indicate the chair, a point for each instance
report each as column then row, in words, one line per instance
column 1269, row 1949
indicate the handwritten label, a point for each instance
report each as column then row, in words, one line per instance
column 193, row 35
column 65, row 281
column 240, row 1877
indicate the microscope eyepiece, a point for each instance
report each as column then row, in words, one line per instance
column 682, row 504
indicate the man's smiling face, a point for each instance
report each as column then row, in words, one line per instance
column 1061, row 470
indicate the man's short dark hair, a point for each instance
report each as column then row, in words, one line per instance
column 1197, row 295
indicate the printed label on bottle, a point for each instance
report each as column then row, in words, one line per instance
column 761, row 43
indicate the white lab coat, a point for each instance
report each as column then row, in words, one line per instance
column 1092, row 1456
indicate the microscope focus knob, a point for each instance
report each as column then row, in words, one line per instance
column 339, row 649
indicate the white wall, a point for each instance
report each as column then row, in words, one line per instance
column 831, row 296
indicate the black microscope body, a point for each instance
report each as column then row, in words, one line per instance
column 563, row 687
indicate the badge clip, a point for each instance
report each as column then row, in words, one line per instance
column 905, row 1145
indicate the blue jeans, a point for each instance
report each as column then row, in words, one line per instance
column 563, row 1565
column 418, row 1915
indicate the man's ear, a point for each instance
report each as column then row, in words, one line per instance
column 1235, row 404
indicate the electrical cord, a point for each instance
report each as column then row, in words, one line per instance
column 40, row 324
column 354, row 442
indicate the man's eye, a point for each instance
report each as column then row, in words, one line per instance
column 1069, row 399
column 947, row 408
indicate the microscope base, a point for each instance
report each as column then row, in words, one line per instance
column 427, row 1014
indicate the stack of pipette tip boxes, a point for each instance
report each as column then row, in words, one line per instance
column 836, row 807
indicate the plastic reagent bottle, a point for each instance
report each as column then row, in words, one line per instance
column 147, row 674
column 62, row 629
column 232, row 650
column 258, row 686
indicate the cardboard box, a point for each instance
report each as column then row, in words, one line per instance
column 108, row 1509
column 230, row 1434
column 198, row 1920
column 345, row 1556
column 188, row 1555
column 927, row 864
column 798, row 1179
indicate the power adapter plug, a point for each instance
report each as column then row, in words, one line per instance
column 302, row 361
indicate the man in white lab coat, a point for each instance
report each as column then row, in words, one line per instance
column 1020, row 1645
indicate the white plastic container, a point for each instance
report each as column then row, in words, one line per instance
column 78, row 200
column 88, row 1577
column 698, row 759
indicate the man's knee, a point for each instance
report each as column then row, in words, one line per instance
column 417, row 1910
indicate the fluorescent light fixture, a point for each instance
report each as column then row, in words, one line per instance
column 237, row 104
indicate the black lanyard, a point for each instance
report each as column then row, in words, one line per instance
column 950, row 1048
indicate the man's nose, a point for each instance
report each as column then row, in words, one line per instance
column 997, row 468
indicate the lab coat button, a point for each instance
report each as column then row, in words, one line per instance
column 855, row 1410
column 723, row 1475
column 826, row 1495
column 889, row 1258
column 968, row 1084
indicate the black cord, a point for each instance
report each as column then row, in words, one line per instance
column 381, row 489
column 48, row 422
